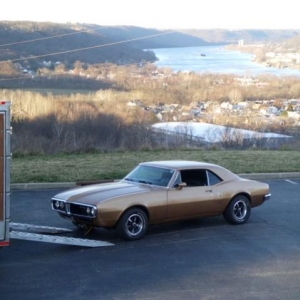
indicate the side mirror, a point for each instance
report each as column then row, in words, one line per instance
column 180, row 186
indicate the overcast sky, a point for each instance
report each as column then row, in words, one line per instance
column 161, row 14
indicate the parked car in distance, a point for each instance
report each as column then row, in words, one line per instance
column 159, row 192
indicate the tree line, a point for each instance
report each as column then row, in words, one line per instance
column 57, row 121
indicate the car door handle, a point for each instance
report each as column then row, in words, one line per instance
column 208, row 191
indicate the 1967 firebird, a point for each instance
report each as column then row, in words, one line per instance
column 162, row 191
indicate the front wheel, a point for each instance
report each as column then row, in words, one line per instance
column 238, row 210
column 133, row 224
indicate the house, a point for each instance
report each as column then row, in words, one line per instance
column 272, row 110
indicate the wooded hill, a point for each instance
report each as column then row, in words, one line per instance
column 84, row 42
column 292, row 43
column 250, row 36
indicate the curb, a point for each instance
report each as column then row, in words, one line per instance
column 67, row 185
column 40, row 186
column 258, row 176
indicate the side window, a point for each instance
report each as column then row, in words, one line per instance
column 213, row 178
column 195, row 177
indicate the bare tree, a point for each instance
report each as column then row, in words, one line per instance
column 235, row 96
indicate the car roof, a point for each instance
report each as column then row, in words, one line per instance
column 186, row 164
column 178, row 164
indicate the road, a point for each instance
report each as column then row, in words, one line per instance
column 201, row 259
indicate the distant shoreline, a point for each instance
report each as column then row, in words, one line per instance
column 217, row 59
column 259, row 53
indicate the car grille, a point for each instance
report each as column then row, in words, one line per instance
column 77, row 209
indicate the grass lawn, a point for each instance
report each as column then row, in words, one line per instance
column 115, row 165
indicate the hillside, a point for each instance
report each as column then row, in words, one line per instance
column 69, row 38
column 292, row 43
column 86, row 43
column 168, row 39
column 249, row 36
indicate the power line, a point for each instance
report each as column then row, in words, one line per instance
column 88, row 48
column 40, row 39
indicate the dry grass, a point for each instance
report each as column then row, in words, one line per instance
column 76, row 167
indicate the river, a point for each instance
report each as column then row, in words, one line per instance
column 215, row 59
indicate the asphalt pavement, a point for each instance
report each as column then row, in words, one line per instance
column 201, row 259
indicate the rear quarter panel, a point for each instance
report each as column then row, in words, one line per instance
column 255, row 190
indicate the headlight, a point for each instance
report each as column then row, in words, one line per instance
column 59, row 205
column 91, row 211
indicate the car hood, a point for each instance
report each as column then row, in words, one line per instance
column 96, row 193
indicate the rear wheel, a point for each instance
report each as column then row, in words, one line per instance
column 238, row 210
column 133, row 224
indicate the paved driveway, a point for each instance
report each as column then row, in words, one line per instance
column 201, row 259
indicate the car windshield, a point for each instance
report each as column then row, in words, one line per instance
column 150, row 175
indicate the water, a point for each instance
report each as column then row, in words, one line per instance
column 215, row 59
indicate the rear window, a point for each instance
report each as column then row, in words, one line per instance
column 213, row 178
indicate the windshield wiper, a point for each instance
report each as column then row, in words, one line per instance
column 145, row 181
column 129, row 179
column 139, row 181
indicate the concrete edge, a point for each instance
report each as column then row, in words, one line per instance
column 259, row 176
column 44, row 185
column 66, row 185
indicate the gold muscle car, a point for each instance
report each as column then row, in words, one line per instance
column 162, row 191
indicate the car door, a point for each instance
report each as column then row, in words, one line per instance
column 198, row 198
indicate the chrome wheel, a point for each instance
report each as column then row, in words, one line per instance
column 133, row 224
column 240, row 209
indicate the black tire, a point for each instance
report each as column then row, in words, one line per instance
column 238, row 211
column 133, row 224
